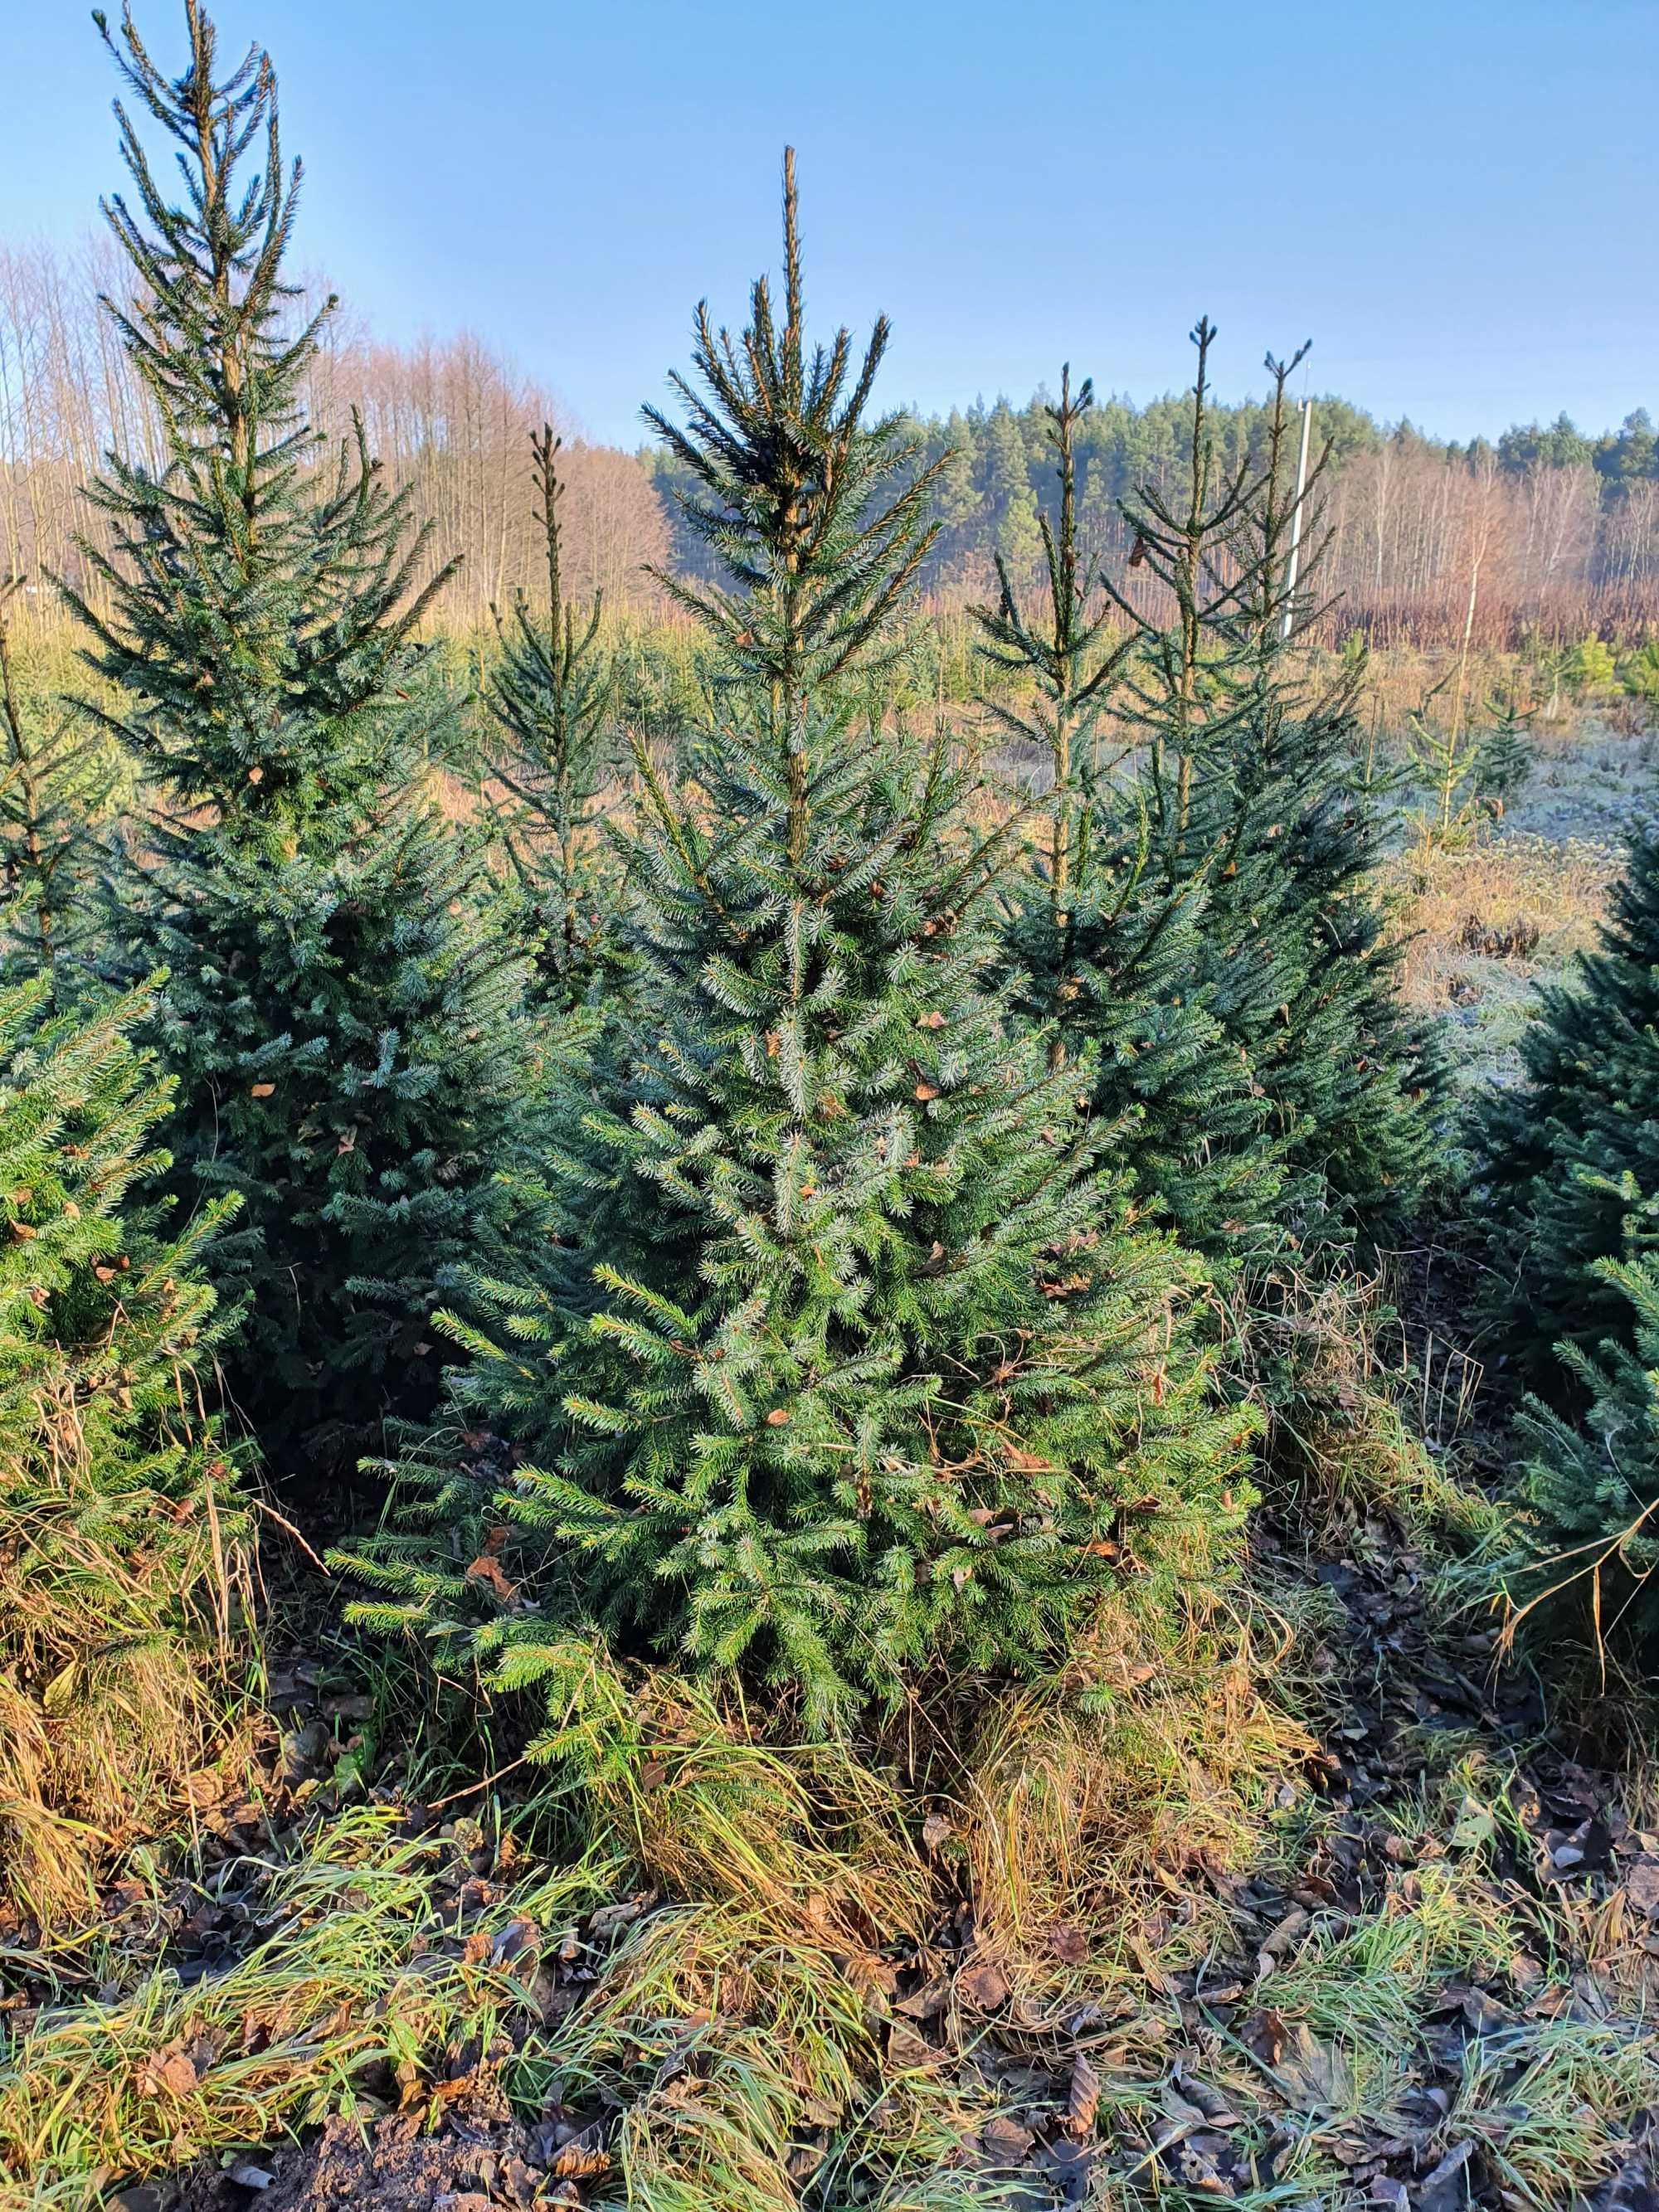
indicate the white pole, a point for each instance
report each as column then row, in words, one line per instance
column 1296, row 519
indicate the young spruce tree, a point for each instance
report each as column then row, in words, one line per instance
column 55, row 780
column 1255, row 785
column 1504, row 764
column 121, row 1537
column 869, row 1378
column 1570, row 1157
column 1593, row 1484
column 1108, row 942
column 552, row 693
column 342, row 1007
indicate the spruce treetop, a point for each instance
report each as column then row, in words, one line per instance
column 1220, row 554
column 1255, row 797
column 256, row 597
column 818, row 517
column 1107, row 948
column 207, row 335
column 1073, row 656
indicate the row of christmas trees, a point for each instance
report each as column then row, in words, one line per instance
column 818, row 1171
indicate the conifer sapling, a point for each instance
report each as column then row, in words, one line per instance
column 55, row 780
column 871, row 1376
column 1109, row 945
column 1570, row 1157
column 551, row 694
column 1255, row 784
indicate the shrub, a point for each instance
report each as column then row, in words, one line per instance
column 1640, row 673
column 1591, row 668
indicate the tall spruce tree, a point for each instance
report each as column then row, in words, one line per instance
column 1570, row 1157
column 1255, row 783
column 552, row 693
column 343, row 1006
column 1108, row 942
column 869, row 1377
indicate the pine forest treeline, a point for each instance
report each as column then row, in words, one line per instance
column 1552, row 527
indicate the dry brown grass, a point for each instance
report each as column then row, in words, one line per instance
column 1088, row 1802
column 1360, row 1414
column 715, row 1808
column 1560, row 889
column 1518, row 891
column 731, row 2035
column 130, row 1711
column 360, row 1970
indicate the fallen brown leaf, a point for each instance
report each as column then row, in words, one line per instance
column 486, row 1570
column 985, row 1987
column 1005, row 2141
column 1641, row 1885
column 906, row 2049
column 1082, row 2097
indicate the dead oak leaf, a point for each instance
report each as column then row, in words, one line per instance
column 1083, row 2097
column 1006, row 2141
column 171, row 2071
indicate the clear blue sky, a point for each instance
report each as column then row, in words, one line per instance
column 1457, row 199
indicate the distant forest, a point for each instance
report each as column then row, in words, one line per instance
column 1552, row 526
column 1549, row 527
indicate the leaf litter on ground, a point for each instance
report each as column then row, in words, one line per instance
column 1431, row 1988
